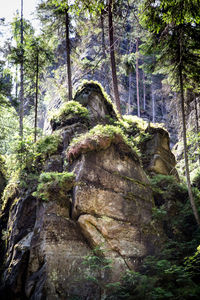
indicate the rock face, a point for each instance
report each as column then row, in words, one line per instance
column 157, row 157
column 109, row 207
column 113, row 205
column 100, row 109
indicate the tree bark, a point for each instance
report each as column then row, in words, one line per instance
column 112, row 56
column 129, row 91
column 153, row 101
column 144, row 91
column 69, row 74
column 36, row 95
column 192, row 202
column 21, row 107
column 197, row 123
column 105, row 65
column 137, row 78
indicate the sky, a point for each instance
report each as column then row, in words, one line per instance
column 9, row 8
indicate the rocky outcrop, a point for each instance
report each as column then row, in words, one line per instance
column 107, row 205
column 157, row 157
column 113, row 205
column 100, row 108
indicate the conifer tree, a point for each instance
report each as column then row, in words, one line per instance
column 175, row 33
column 57, row 11
column 21, row 110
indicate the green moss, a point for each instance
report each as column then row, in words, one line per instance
column 97, row 133
column 68, row 111
column 48, row 145
column 10, row 192
column 54, row 186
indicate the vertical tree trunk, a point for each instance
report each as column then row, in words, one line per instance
column 36, row 95
column 105, row 65
column 197, row 123
column 21, row 107
column 16, row 82
column 192, row 202
column 153, row 101
column 112, row 57
column 137, row 78
column 144, row 91
column 103, row 35
column 129, row 91
column 196, row 114
column 69, row 74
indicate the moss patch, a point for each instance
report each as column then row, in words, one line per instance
column 10, row 192
column 98, row 138
column 48, row 145
column 54, row 186
column 68, row 114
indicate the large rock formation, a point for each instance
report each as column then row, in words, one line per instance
column 157, row 157
column 108, row 206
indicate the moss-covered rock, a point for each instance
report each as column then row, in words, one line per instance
column 54, row 186
column 99, row 138
column 101, row 109
column 49, row 145
column 70, row 113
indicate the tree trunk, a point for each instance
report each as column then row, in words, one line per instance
column 197, row 123
column 137, row 78
column 16, row 83
column 194, row 209
column 105, row 65
column 36, row 95
column 69, row 73
column 153, row 101
column 21, row 107
column 144, row 91
column 112, row 57
column 129, row 91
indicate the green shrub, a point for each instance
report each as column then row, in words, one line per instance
column 196, row 179
column 166, row 188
